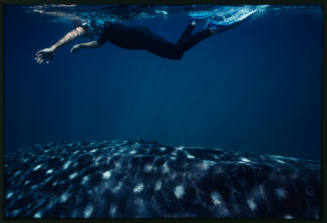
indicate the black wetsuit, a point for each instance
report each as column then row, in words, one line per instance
column 143, row 38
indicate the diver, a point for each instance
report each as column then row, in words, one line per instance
column 128, row 37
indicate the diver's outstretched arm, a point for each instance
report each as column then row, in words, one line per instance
column 93, row 44
column 48, row 53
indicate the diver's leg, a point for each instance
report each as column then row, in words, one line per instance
column 187, row 32
column 163, row 48
column 160, row 46
column 191, row 41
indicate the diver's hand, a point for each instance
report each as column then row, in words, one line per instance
column 75, row 48
column 44, row 55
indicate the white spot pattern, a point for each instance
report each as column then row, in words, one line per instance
column 37, row 215
column 190, row 156
column 243, row 159
column 9, row 195
column 37, row 167
column 85, row 179
column 216, row 198
column 252, row 205
column 165, row 168
column 180, row 148
column 106, row 175
column 179, row 191
column 132, row 152
column 280, row 193
column 288, row 216
column 113, row 209
column 73, row 175
column 88, row 211
column 148, row 168
column 64, row 197
column 162, row 149
column 138, row 188
column 66, row 165
column 49, row 171
column 158, row 185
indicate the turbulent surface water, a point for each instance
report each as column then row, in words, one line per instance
column 93, row 179
column 120, row 13
column 225, row 15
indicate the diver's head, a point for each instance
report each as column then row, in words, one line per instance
column 81, row 23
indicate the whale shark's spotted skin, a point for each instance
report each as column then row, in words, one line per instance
column 147, row 179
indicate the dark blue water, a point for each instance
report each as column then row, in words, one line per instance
column 254, row 88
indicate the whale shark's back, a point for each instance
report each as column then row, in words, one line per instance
column 140, row 179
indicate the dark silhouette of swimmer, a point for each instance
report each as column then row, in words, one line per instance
column 128, row 37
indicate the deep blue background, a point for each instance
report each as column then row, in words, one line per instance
column 255, row 88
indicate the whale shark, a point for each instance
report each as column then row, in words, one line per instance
column 139, row 179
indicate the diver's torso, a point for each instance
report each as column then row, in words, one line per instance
column 123, row 36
